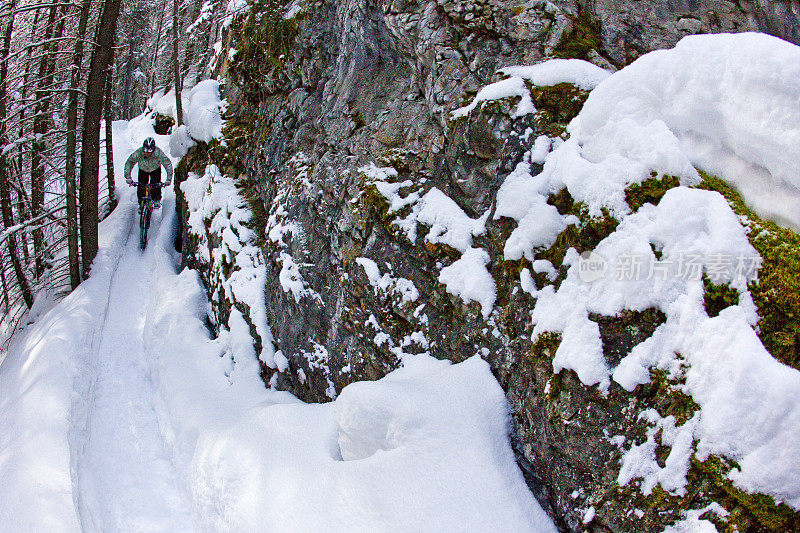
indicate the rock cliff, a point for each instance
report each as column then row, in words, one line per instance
column 344, row 106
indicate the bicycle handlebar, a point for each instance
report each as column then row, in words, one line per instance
column 159, row 184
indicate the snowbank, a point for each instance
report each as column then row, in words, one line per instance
column 203, row 116
column 45, row 371
column 378, row 458
column 180, row 142
column 725, row 103
column 202, row 113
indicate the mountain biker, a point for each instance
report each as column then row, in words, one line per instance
column 150, row 159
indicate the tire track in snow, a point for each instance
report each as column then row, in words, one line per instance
column 84, row 406
column 124, row 477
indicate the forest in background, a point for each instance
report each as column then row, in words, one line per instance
column 67, row 70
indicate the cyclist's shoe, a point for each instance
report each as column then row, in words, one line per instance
column 156, row 205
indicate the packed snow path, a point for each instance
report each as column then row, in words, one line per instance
column 125, row 464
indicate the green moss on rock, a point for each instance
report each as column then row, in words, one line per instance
column 249, row 188
column 373, row 200
column 718, row 297
column 762, row 513
column 651, row 191
column 583, row 38
column 777, row 291
column 583, row 237
column 541, row 354
column 545, row 346
column 556, row 106
column 264, row 40
column 669, row 399
column 238, row 129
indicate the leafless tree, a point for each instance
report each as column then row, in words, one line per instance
column 90, row 153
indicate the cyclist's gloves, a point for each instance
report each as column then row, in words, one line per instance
column 130, row 181
column 168, row 183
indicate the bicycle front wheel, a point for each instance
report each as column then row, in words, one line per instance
column 144, row 223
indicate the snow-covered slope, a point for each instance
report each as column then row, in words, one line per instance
column 378, row 458
column 728, row 104
column 201, row 107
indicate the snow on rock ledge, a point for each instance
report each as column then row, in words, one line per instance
column 216, row 208
column 468, row 278
column 729, row 104
column 582, row 74
column 202, row 114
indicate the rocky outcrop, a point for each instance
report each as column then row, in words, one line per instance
column 323, row 101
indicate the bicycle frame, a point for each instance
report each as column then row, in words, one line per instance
column 147, row 210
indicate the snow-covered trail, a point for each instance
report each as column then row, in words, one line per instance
column 125, row 463
column 81, row 447
column 120, row 411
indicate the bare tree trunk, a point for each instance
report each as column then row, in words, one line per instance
column 5, row 288
column 5, row 193
column 40, row 120
column 135, row 24
column 153, row 76
column 191, row 46
column 72, row 127
column 24, row 89
column 112, row 197
column 128, row 83
column 176, row 70
column 208, row 49
column 90, row 152
column 22, row 213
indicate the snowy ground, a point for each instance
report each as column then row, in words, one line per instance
column 120, row 412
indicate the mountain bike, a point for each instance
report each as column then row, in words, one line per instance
column 146, row 212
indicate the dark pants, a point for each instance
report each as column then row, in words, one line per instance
column 151, row 178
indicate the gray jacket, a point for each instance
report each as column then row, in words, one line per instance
column 148, row 164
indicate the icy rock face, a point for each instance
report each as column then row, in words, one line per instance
column 342, row 143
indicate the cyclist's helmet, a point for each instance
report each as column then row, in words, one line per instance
column 149, row 145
